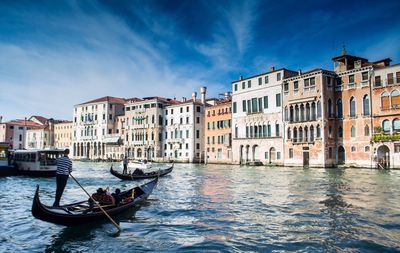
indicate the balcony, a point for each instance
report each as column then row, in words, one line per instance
column 88, row 138
column 351, row 86
column 364, row 83
column 385, row 137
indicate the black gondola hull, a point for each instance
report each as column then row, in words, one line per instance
column 153, row 174
column 50, row 214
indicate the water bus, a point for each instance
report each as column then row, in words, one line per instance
column 38, row 162
column 6, row 169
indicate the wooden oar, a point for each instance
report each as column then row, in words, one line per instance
column 101, row 208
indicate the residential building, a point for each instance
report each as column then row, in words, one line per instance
column 218, row 131
column 143, row 128
column 385, row 104
column 257, row 126
column 14, row 132
column 96, row 128
column 183, row 139
column 309, row 122
column 63, row 132
column 41, row 136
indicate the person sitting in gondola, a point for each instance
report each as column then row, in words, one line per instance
column 138, row 172
column 102, row 197
column 117, row 197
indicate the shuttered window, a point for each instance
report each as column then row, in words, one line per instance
column 385, row 100
column 395, row 99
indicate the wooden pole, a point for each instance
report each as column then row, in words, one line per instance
column 101, row 208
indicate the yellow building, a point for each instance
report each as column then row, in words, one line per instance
column 63, row 135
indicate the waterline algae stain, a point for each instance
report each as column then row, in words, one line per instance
column 222, row 208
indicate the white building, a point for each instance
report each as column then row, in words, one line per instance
column 184, row 129
column 257, row 126
column 96, row 134
column 14, row 132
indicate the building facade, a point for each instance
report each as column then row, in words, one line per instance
column 257, row 126
column 14, row 132
column 95, row 129
column 63, row 132
column 218, row 131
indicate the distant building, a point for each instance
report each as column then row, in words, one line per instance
column 218, row 131
column 14, row 132
column 95, row 129
column 63, row 132
column 257, row 126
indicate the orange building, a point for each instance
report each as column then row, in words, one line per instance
column 218, row 136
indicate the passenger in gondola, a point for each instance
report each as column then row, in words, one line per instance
column 117, row 197
column 138, row 172
column 102, row 197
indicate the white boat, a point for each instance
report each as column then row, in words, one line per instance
column 6, row 169
column 141, row 164
column 42, row 163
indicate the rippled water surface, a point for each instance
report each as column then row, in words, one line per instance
column 218, row 208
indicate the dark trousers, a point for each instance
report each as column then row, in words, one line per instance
column 61, row 183
column 125, row 171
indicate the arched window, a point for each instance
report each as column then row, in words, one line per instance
column 302, row 112
column 339, row 108
column 352, row 107
column 300, row 134
column 264, row 130
column 340, row 132
column 306, row 134
column 297, row 113
column 396, row 125
column 318, row 109
column 313, row 112
column 311, row 133
column 385, row 103
column 291, row 114
column 386, row 125
column 294, row 134
column 286, row 114
column 329, row 108
column 395, row 97
column 289, row 136
column 318, row 131
column 366, row 105
column 366, row 130
column 353, row 131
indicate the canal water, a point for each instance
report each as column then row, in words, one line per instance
column 218, row 208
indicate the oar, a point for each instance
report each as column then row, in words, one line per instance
column 90, row 196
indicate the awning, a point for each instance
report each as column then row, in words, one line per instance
column 112, row 140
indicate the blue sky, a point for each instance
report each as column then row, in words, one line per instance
column 55, row 54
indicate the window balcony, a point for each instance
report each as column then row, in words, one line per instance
column 364, row 83
column 351, row 86
column 385, row 137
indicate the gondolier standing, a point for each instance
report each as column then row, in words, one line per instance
column 125, row 162
column 64, row 167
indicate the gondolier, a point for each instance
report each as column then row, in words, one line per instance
column 64, row 168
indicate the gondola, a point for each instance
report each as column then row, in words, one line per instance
column 145, row 175
column 79, row 213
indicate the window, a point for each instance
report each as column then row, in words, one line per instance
column 351, row 79
column 330, row 108
column 265, row 102
column 340, row 132
column 395, row 97
column 330, row 153
column 296, row 86
column 397, row 147
column 172, row 111
column 254, row 104
column 269, row 130
column 396, row 125
column 277, row 132
column 385, row 100
column 390, row 78
column 309, row 84
column 249, row 105
column 197, row 134
column 386, row 126
column 318, row 131
column 259, row 81
column 318, row 109
column 198, row 109
column 260, row 105
column 278, row 76
column 366, row 105
column 353, row 149
column 352, row 107
column 364, row 76
column 290, row 153
column 249, row 84
column 278, row 100
column 235, row 87
column 366, row 148
column 366, row 130
column 285, row 87
column 339, row 108
column 353, row 131
column 234, row 107
column 278, row 155
column 266, row 79
column 378, row 81
column 198, row 120
column 243, row 85
column 181, row 110
column 244, row 105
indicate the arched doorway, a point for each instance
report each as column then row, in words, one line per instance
column 255, row 153
column 247, row 153
column 139, row 153
column 87, row 150
column 241, row 154
column 272, row 155
column 383, row 155
column 341, row 155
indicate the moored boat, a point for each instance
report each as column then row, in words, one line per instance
column 144, row 175
column 36, row 162
column 80, row 213
column 140, row 164
column 6, row 169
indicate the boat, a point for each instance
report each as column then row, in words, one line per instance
column 140, row 164
column 80, row 213
column 6, row 169
column 134, row 176
column 36, row 162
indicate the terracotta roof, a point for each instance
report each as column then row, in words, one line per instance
column 109, row 99
column 341, row 57
column 41, row 119
column 132, row 100
column 21, row 122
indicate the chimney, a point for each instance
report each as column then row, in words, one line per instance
column 272, row 68
column 203, row 91
column 240, row 77
column 194, row 95
column 183, row 99
column 227, row 95
column 299, row 72
column 1, row 119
